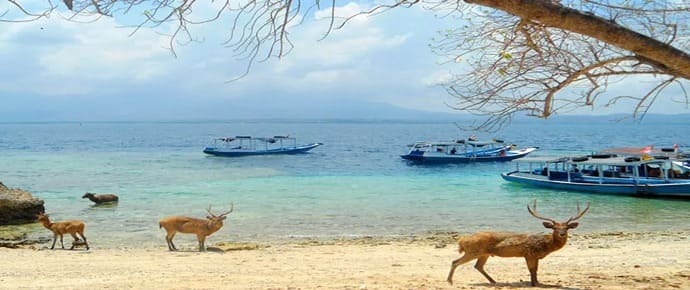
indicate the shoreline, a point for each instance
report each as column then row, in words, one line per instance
column 620, row 260
column 33, row 241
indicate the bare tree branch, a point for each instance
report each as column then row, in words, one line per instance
column 537, row 57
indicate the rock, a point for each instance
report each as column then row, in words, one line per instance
column 18, row 206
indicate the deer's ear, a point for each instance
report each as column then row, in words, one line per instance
column 208, row 217
column 548, row 225
column 573, row 225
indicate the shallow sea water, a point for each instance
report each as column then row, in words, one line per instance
column 354, row 185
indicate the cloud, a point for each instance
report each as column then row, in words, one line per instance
column 436, row 78
column 85, row 66
column 345, row 57
column 350, row 11
column 59, row 57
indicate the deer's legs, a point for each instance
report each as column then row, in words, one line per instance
column 533, row 265
column 168, row 240
column 55, row 236
column 85, row 242
column 201, row 240
column 480, row 267
column 61, row 244
column 74, row 235
column 464, row 259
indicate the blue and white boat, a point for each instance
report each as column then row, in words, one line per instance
column 246, row 145
column 464, row 151
column 604, row 174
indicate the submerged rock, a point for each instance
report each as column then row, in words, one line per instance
column 18, row 206
column 20, row 237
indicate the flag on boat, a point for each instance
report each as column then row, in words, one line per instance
column 647, row 149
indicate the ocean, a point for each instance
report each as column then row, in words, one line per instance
column 355, row 185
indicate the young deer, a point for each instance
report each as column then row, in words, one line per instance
column 60, row 228
column 201, row 227
column 483, row 245
column 101, row 198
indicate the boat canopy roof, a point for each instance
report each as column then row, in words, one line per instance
column 541, row 159
column 264, row 139
column 459, row 142
column 641, row 151
column 613, row 161
column 618, row 161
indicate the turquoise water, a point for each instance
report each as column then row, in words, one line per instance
column 355, row 185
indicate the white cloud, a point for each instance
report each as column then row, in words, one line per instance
column 354, row 44
column 67, row 58
column 344, row 12
column 436, row 78
column 374, row 58
column 101, row 52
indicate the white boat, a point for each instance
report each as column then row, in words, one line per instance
column 464, row 151
column 246, row 145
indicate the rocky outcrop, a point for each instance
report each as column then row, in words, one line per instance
column 18, row 206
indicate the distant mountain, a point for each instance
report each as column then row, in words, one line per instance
column 285, row 108
column 623, row 118
column 165, row 108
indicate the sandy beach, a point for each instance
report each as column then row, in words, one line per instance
column 591, row 261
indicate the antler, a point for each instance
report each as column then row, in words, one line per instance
column 533, row 212
column 209, row 210
column 579, row 213
column 232, row 206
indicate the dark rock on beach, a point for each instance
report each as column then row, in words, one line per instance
column 18, row 206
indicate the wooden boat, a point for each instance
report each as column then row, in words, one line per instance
column 605, row 174
column 464, row 151
column 246, row 145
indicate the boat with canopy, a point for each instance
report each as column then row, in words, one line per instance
column 246, row 145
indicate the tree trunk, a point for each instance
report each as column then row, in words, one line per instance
column 648, row 50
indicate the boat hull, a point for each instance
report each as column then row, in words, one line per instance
column 239, row 153
column 675, row 190
column 447, row 158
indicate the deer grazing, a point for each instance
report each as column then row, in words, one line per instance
column 60, row 228
column 201, row 227
column 101, row 198
column 483, row 245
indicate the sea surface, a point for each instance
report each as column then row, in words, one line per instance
column 354, row 185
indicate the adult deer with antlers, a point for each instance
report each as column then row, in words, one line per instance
column 483, row 245
column 201, row 227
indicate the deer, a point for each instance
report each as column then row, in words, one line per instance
column 73, row 228
column 532, row 247
column 187, row 225
column 101, row 198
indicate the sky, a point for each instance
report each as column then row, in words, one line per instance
column 375, row 67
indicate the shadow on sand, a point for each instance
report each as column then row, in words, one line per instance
column 524, row 285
